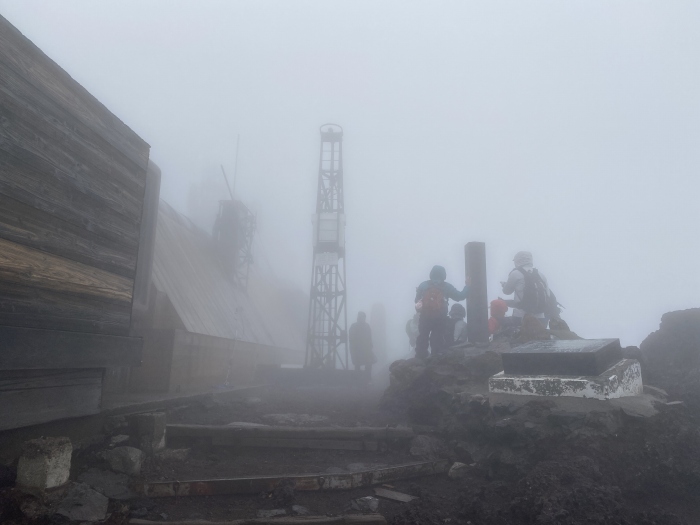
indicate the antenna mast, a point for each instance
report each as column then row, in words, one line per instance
column 326, row 345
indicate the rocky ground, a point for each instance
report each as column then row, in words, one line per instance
column 523, row 461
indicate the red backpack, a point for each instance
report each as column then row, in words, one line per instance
column 433, row 301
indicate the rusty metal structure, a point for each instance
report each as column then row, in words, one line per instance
column 234, row 230
column 326, row 345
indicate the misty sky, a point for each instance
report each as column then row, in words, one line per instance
column 567, row 128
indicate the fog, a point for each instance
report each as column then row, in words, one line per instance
column 569, row 129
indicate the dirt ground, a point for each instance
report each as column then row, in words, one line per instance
column 340, row 407
column 527, row 460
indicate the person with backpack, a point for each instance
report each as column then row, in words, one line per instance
column 456, row 333
column 531, row 293
column 431, row 302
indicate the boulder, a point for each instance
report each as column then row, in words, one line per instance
column 366, row 504
column 458, row 470
column 81, row 503
column 125, row 459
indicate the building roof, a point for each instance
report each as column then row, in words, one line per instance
column 188, row 268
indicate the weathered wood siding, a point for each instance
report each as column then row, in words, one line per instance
column 72, row 180
column 28, row 397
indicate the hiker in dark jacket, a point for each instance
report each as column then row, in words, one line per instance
column 361, row 348
column 431, row 303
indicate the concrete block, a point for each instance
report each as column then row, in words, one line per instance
column 148, row 431
column 44, row 463
column 581, row 357
column 623, row 379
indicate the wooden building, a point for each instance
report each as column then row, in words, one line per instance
column 204, row 329
column 72, row 183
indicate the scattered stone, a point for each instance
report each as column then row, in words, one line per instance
column 458, row 470
column 428, row 447
column 118, row 440
column 163, row 515
column 148, row 430
column 366, row 504
column 81, row 503
column 274, row 513
column 110, row 484
column 125, row 459
column 298, row 510
column 33, row 508
column 174, row 454
column 44, row 463
column 295, row 419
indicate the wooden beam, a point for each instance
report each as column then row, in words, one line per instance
column 357, row 519
column 279, row 432
column 303, row 482
column 320, row 444
column 32, row 348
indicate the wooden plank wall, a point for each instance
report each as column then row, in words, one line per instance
column 28, row 397
column 72, row 180
column 203, row 361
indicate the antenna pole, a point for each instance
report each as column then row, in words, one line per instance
column 235, row 165
column 226, row 179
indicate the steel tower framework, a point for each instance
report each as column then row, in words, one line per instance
column 326, row 343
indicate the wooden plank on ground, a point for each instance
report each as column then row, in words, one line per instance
column 321, row 444
column 32, row 348
column 277, row 432
column 303, row 482
column 353, row 519
column 393, row 495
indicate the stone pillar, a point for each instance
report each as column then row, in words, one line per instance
column 148, row 431
column 477, row 299
column 44, row 463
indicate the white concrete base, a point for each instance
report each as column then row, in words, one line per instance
column 44, row 463
column 620, row 380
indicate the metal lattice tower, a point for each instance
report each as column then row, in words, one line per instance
column 234, row 230
column 326, row 344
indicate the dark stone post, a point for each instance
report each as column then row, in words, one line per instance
column 477, row 299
